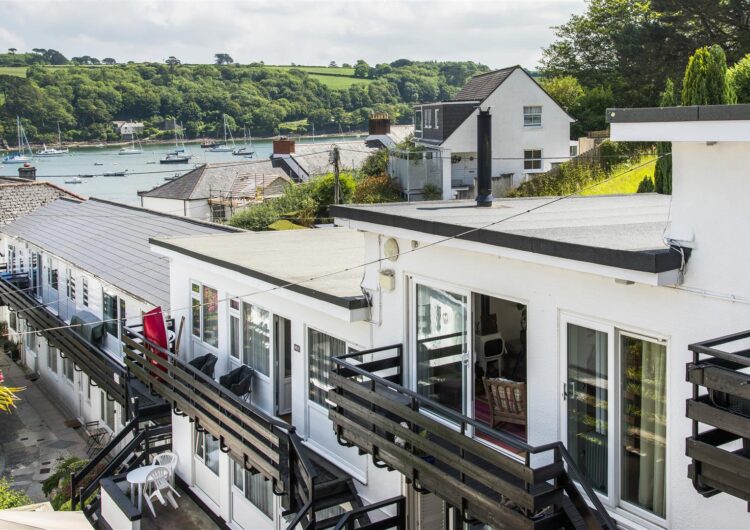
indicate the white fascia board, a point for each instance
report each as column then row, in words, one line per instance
column 319, row 306
column 681, row 131
column 645, row 278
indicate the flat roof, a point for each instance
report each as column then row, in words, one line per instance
column 623, row 231
column 688, row 113
column 285, row 257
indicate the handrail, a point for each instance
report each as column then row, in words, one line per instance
column 399, row 501
column 557, row 446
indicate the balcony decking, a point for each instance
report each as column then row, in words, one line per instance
column 374, row 412
column 720, row 374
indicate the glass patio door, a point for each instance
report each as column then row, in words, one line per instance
column 441, row 346
column 614, row 415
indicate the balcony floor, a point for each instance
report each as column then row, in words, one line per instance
column 187, row 516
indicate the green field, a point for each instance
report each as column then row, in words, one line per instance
column 293, row 126
column 336, row 78
column 627, row 182
column 18, row 71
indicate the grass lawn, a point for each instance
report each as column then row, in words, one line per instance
column 293, row 126
column 628, row 182
column 335, row 78
column 18, row 71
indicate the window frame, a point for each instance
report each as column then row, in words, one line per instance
column 530, row 116
column 52, row 354
column 110, row 319
column 533, row 160
column 418, row 120
column 234, row 315
column 70, row 285
column 203, row 458
column 199, row 297
column 436, row 123
column 104, row 409
column 245, row 489
column 347, row 348
column 68, row 369
column 428, row 119
column 84, row 291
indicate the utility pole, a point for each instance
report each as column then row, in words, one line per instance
column 336, row 181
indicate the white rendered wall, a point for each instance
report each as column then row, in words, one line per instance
column 509, row 136
column 170, row 206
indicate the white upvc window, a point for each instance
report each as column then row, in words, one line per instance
column 68, row 369
column 207, row 450
column 532, row 116
column 52, row 359
column 428, row 119
column 532, row 159
column 70, row 286
column 235, row 342
column 418, row 121
column 107, row 410
column 437, row 121
column 84, row 291
column 205, row 313
column 254, row 487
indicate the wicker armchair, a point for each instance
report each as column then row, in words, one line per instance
column 507, row 401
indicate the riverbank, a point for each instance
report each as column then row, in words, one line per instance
column 94, row 144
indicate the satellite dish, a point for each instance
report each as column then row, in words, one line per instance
column 390, row 249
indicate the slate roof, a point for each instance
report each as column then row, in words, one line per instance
column 482, row 85
column 110, row 241
column 297, row 256
column 206, row 179
column 314, row 159
column 19, row 197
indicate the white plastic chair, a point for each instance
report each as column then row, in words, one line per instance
column 168, row 460
column 156, row 481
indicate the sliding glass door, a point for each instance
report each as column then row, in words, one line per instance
column 441, row 343
column 614, row 414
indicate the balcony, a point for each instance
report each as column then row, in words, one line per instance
column 104, row 371
column 373, row 411
column 264, row 444
column 720, row 411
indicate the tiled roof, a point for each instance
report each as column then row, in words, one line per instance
column 209, row 179
column 19, row 197
column 109, row 240
column 482, row 85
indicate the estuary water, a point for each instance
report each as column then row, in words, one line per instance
column 144, row 171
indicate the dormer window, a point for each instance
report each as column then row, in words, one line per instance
column 532, row 116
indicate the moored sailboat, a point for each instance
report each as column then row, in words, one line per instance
column 20, row 156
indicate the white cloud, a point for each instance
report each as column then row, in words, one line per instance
column 496, row 33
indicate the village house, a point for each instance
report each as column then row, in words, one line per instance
column 529, row 133
column 212, row 192
column 128, row 130
column 75, row 269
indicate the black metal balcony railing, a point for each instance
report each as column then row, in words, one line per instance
column 720, row 454
column 102, row 369
column 375, row 412
column 263, row 443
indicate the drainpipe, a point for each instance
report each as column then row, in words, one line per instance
column 484, row 158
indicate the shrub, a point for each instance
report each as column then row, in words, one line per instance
column 10, row 498
column 256, row 218
column 57, row 485
column 376, row 189
column 431, row 192
column 375, row 164
column 323, row 191
column 646, row 186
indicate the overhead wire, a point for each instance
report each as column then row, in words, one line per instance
column 439, row 241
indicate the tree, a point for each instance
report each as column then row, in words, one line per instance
column 332, row 64
column 739, row 80
column 12, row 51
column 663, row 170
column 54, row 57
column 223, row 58
column 646, row 185
column 39, row 51
column 109, row 61
column 705, row 81
column 361, row 69
column 172, row 62
column 591, row 109
column 566, row 90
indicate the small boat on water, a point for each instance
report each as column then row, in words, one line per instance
column 132, row 150
column 86, row 176
column 100, row 145
column 54, row 151
column 20, row 157
column 172, row 177
column 246, row 150
column 173, row 158
column 74, row 180
column 115, row 174
column 225, row 147
column 209, row 145
column 98, row 163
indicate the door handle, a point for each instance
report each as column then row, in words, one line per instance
column 565, row 392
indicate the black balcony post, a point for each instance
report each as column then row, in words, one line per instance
column 484, row 158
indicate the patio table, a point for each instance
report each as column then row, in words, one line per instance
column 138, row 476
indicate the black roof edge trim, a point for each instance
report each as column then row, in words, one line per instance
column 651, row 261
column 345, row 302
column 679, row 114
column 190, row 220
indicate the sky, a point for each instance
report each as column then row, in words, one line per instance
column 308, row 32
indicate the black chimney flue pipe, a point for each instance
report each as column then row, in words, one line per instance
column 484, row 158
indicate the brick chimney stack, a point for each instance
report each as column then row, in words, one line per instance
column 380, row 123
column 283, row 146
column 27, row 171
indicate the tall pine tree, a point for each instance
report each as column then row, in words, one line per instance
column 705, row 81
